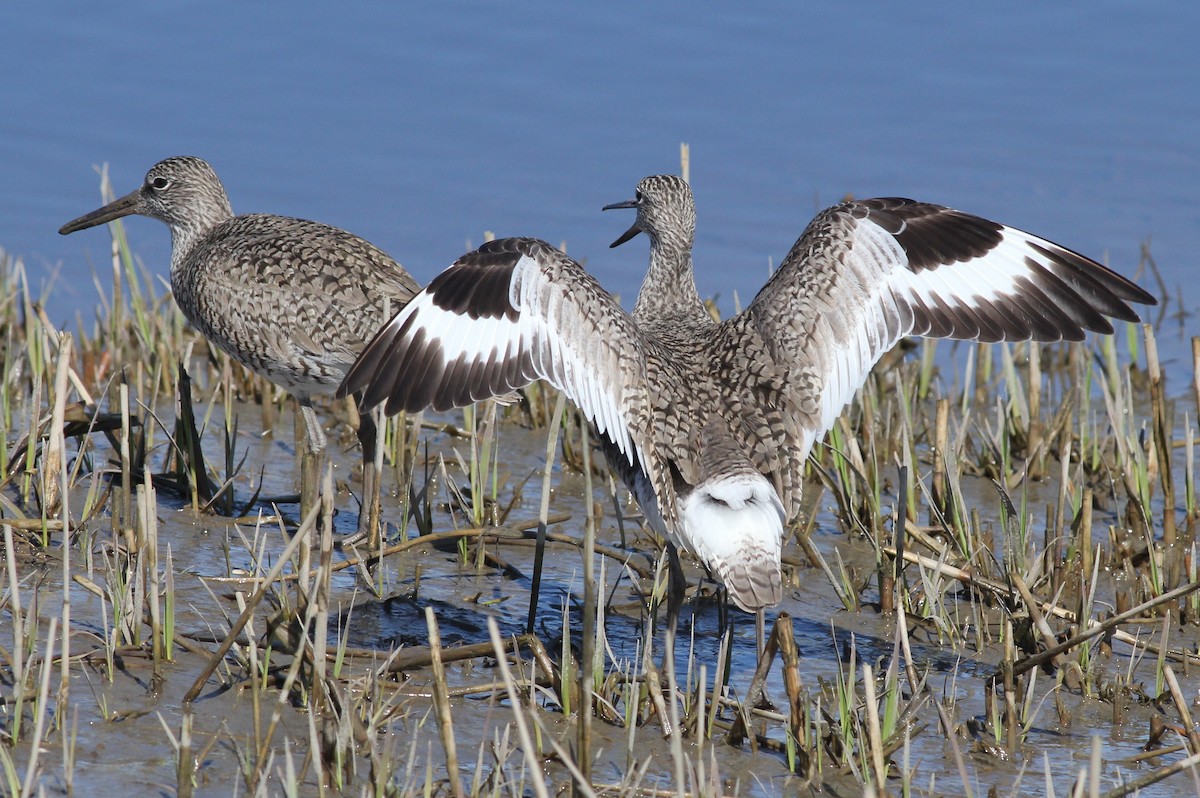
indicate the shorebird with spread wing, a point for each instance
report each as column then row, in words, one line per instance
column 709, row 423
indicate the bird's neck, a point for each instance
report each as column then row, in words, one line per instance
column 669, row 290
column 186, row 234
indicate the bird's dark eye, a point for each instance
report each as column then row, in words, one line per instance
column 159, row 183
column 637, row 196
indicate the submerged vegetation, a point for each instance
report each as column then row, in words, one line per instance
column 996, row 587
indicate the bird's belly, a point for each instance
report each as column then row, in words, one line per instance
column 298, row 373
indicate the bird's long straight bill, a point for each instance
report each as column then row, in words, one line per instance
column 114, row 210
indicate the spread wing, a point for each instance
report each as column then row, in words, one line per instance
column 865, row 274
column 513, row 311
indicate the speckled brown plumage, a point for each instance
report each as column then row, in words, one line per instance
column 293, row 300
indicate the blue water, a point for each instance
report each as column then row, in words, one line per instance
column 420, row 126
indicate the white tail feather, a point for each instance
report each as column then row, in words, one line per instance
column 735, row 526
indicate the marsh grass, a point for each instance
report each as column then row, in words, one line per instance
column 1034, row 519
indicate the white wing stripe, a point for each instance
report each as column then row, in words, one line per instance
column 550, row 329
column 977, row 283
column 875, row 277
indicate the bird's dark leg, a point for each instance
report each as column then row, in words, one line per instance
column 676, row 590
column 723, row 621
column 669, row 718
column 368, row 438
column 760, row 631
column 539, row 555
column 760, row 644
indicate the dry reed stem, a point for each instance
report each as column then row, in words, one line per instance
column 35, row 524
column 58, row 477
column 1010, row 686
column 948, row 731
column 792, row 685
column 674, row 729
column 185, row 768
column 1181, row 706
column 1153, row 777
column 941, row 438
column 441, row 703
column 320, row 645
column 1154, row 753
column 416, row 657
column 18, row 618
column 1094, row 628
column 1196, row 371
column 1093, row 771
column 124, row 512
column 532, row 759
column 587, row 663
column 1103, row 626
column 1162, row 445
column 252, row 657
column 53, row 469
column 719, row 678
column 497, row 533
column 34, row 427
column 777, row 641
column 874, row 734
column 654, row 683
column 148, row 553
column 1035, row 433
column 1035, row 611
column 39, row 725
column 72, row 376
column 252, row 604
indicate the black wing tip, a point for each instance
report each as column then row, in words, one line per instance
column 348, row 385
column 361, row 383
column 366, row 378
column 1141, row 296
column 355, row 380
column 1120, row 290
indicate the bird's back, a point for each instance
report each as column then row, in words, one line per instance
column 292, row 299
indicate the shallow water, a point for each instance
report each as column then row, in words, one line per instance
column 422, row 127
column 205, row 548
